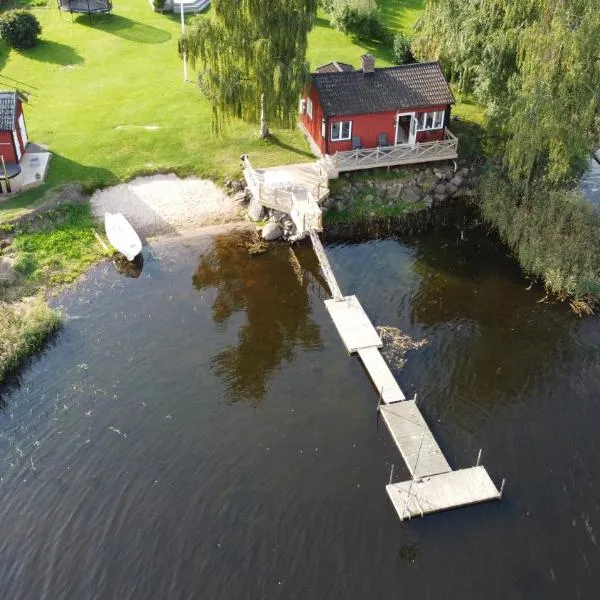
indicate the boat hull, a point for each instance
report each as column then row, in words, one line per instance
column 122, row 235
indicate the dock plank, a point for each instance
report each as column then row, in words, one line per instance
column 381, row 376
column 442, row 492
column 353, row 324
column 414, row 439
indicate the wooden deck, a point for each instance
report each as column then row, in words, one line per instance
column 308, row 176
column 353, row 324
column 442, row 492
column 381, row 376
column 390, row 156
column 414, row 439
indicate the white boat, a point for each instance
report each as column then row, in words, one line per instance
column 122, row 235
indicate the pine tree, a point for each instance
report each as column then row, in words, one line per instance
column 252, row 55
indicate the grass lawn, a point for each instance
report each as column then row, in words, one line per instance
column 107, row 97
column 401, row 15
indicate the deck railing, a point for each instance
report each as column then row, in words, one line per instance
column 402, row 154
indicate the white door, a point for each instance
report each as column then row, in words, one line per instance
column 23, row 130
column 406, row 128
column 412, row 138
column 17, row 146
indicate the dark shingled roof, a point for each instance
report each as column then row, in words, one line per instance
column 335, row 67
column 406, row 86
column 8, row 110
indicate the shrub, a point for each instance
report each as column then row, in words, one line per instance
column 158, row 5
column 402, row 53
column 20, row 29
column 359, row 17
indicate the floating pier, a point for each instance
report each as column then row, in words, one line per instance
column 433, row 486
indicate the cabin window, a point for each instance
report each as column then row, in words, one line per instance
column 430, row 120
column 309, row 108
column 341, row 131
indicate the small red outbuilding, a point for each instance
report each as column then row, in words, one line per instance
column 348, row 109
column 13, row 132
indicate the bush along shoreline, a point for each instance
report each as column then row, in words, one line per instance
column 26, row 327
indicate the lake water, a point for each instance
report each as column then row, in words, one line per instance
column 200, row 432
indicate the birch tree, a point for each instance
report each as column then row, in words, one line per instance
column 251, row 56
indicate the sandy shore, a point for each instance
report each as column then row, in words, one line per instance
column 165, row 204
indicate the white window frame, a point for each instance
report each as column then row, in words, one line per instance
column 309, row 108
column 340, row 138
column 437, row 120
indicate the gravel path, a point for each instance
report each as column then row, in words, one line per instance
column 163, row 204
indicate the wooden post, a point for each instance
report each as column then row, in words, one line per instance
column 502, row 487
column 391, row 474
column 478, row 457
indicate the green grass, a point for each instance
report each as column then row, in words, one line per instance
column 25, row 328
column 362, row 210
column 401, row 15
column 95, row 87
column 63, row 248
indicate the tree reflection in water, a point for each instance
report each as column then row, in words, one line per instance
column 277, row 308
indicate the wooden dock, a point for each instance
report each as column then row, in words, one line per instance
column 419, row 497
column 381, row 376
column 433, row 486
column 353, row 324
column 414, row 439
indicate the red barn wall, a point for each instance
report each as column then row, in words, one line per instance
column 368, row 127
column 313, row 126
column 6, row 147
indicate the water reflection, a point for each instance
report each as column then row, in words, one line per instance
column 473, row 302
column 277, row 307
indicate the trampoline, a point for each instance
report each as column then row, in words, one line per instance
column 86, row 7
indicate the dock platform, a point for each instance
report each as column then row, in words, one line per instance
column 419, row 497
column 353, row 324
column 414, row 439
column 381, row 376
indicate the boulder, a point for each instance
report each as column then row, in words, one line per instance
column 464, row 172
column 369, row 198
column 410, row 196
column 451, row 189
column 440, row 197
column 271, row 231
column 457, row 181
column 440, row 188
column 339, row 206
column 7, row 274
column 5, row 243
column 428, row 201
column 239, row 197
column 256, row 211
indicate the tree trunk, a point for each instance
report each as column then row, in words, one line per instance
column 264, row 130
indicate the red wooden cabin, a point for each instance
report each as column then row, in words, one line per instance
column 407, row 105
column 13, row 132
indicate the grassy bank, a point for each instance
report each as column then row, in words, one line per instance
column 25, row 328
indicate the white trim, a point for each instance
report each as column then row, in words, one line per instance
column 437, row 116
column 17, row 146
column 412, row 134
column 340, row 138
column 23, row 130
column 309, row 108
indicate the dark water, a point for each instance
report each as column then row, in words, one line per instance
column 200, row 432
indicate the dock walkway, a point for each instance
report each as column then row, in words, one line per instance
column 433, row 486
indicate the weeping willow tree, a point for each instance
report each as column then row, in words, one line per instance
column 535, row 67
column 252, row 59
